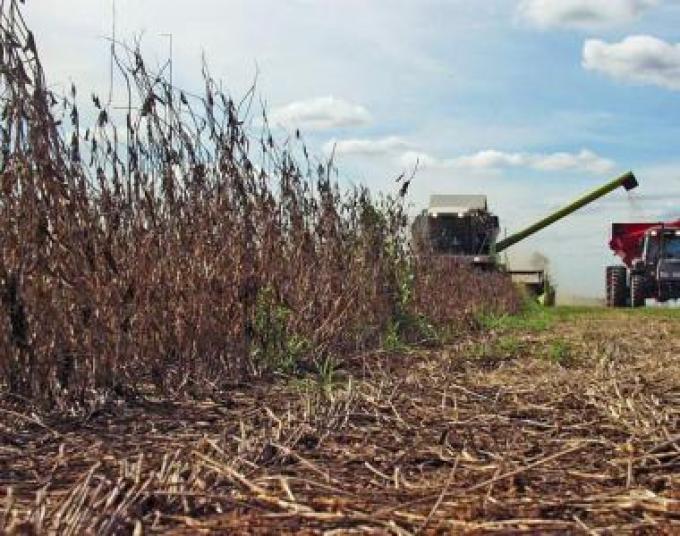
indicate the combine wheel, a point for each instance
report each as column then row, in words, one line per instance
column 637, row 290
column 616, row 286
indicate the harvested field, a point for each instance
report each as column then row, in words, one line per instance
column 555, row 422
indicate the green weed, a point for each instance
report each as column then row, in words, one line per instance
column 495, row 351
column 560, row 352
column 273, row 345
column 392, row 341
column 533, row 318
column 407, row 327
column 508, row 345
column 327, row 375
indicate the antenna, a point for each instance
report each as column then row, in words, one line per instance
column 113, row 49
column 168, row 108
column 169, row 36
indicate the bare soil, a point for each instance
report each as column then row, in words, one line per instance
column 562, row 422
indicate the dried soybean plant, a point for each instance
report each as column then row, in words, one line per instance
column 168, row 248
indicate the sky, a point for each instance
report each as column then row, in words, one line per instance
column 531, row 102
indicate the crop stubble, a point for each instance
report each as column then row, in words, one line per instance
column 422, row 442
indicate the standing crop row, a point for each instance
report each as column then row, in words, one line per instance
column 177, row 247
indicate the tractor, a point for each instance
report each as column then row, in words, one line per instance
column 651, row 264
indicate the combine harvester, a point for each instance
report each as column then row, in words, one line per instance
column 461, row 227
column 651, row 256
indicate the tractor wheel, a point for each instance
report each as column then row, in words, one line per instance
column 637, row 290
column 616, row 286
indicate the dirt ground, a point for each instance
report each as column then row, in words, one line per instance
column 561, row 422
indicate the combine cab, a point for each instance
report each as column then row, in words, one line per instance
column 651, row 256
column 458, row 226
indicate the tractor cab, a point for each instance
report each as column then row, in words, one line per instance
column 661, row 258
column 660, row 244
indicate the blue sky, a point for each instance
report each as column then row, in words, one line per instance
column 531, row 102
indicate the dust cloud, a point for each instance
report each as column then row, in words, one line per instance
column 538, row 261
column 528, row 261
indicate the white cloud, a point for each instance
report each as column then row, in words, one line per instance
column 640, row 59
column 584, row 161
column 368, row 147
column 320, row 114
column 584, row 14
column 489, row 159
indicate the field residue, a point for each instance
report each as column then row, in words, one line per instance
column 556, row 422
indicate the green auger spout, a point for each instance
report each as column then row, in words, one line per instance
column 627, row 181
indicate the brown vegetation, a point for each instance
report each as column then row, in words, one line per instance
column 179, row 253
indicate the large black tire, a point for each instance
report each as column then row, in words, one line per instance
column 637, row 290
column 616, row 286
